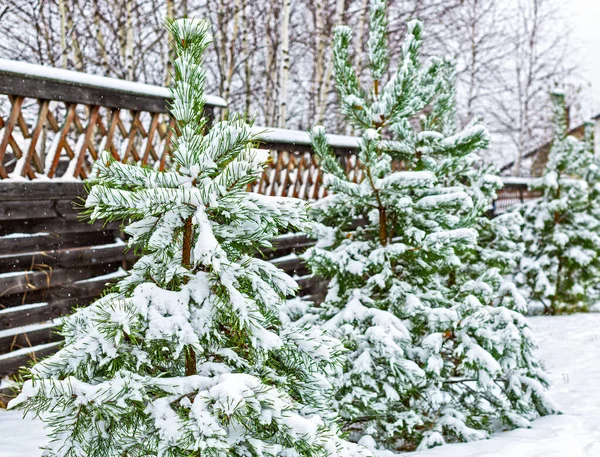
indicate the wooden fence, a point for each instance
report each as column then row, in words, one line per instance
column 53, row 125
column 51, row 262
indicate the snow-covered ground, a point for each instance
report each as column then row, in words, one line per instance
column 570, row 346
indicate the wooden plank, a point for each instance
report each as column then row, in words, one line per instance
column 29, row 314
column 291, row 241
column 62, row 140
column 14, row 211
column 89, row 132
column 149, row 139
column 10, row 125
column 133, row 128
column 32, row 154
column 37, row 190
column 56, row 225
column 53, row 241
column 291, row 265
column 46, row 278
column 39, row 209
column 89, row 287
column 66, row 258
column 10, row 364
column 78, row 93
column 114, row 118
column 36, row 335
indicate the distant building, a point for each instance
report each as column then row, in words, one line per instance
column 538, row 157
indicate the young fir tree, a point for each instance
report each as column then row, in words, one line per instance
column 561, row 264
column 434, row 356
column 187, row 356
column 499, row 247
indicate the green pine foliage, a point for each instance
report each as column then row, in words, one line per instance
column 561, row 263
column 434, row 355
column 499, row 248
column 188, row 356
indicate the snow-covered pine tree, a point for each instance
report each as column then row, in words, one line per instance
column 561, row 264
column 187, row 355
column 433, row 356
column 499, row 248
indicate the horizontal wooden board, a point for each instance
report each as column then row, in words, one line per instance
column 40, row 190
column 15, row 210
column 88, row 287
column 11, row 284
column 10, row 363
column 66, row 258
column 291, row 265
column 40, row 312
column 56, row 225
column 53, row 241
column 292, row 241
column 48, row 89
column 30, row 336
column 44, row 209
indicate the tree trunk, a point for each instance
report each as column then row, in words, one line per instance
column 327, row 79
column 63, row 33
column 186, row 254
column 285, row 61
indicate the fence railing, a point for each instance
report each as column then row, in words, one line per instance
column 53, row 123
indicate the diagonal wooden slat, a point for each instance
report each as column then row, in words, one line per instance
column 15, row 111
column 150, row 137
column 167, row 145
column 32, row 155
column 62, row 140
column 79, row 171
column 21, row 121
column 52, row 121
column 131, row 139
column 109, row 144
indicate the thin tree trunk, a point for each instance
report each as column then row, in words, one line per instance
column 170, row 56
column 360, row 38
column 100, row 39
column 270, row 82
column 186, row 254
column 230, row 56
column 79, row 65
column 285, row 62
column 129, row 43
column 474, row 62
column 63, row 33
column 319, row 56
column 327, row 80
column 247, row 62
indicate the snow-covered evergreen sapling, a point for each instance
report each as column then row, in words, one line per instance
column 500, row 247
column 561, row 264
column 434, row 357
column 187, row 355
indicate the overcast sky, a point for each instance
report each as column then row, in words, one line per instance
column 585, row 21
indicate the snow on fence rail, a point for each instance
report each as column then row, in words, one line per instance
column 53, row 122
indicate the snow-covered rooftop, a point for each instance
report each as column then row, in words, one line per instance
column 85, row 79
